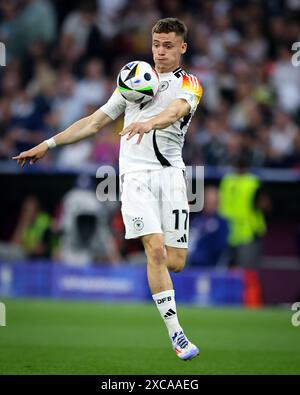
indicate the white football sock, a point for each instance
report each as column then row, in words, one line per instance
column 165, row 302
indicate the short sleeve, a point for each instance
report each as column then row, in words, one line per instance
column 191, row 90
column 115, row 105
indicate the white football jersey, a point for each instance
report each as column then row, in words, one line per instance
column 161, row 147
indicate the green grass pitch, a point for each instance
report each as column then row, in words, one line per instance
column 64, row 337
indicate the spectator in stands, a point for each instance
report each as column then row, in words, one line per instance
column 44, row 80
column 208, row 234
column 214, row 148
column 254, row 43
column 109, row 15
column 285, row 78
column 92, row 89
column 8, row 25
column 23, row 115
column 66, row 103
column 80, row 34
column 35, row 22
column 282, row 135
column 136, row 29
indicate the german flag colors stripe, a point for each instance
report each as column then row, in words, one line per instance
column 191, row 84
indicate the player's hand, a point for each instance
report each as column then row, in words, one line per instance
column 32, row 155
column 136, row 128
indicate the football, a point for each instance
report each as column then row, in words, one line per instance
column 138, row 82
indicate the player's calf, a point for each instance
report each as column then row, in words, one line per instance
column 176, row 267
column 176, row 258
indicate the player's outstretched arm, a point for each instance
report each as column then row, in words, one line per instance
column 79, row 130
column 176, row 110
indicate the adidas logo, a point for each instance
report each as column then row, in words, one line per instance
column 183, row 239
column 169, row 313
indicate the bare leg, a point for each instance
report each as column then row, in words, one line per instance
column 158, row 274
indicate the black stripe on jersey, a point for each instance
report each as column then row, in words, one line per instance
column 163, row 161
column 179, row 72
column 185, row 120
column 176, row 70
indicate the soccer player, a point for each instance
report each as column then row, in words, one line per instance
column 150, row 161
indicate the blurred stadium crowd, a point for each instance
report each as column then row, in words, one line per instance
column 62, row 59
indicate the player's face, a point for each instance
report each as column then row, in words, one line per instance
column 167, row 49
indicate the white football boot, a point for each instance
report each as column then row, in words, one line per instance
column 184, row 349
